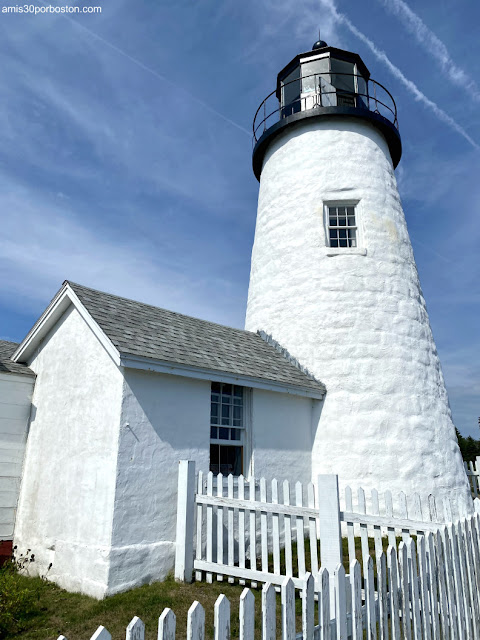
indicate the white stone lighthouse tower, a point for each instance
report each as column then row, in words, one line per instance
column 334, row 281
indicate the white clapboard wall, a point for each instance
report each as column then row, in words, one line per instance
column 15, row 401
column 426, row 589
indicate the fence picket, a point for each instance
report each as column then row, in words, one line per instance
column 389, row 513
column 470, row 566
column 340, row 603
column 275, row 530
column 269, row 617
column 324, row 604
column 220, row 525
column 423, row 587
column 403, row 512
column 393, row 592
column 199, row 543
column 300, row 531
column 442, row 587
column 415, row 597
column 230, row 531
column 101, row 634
column 432, row 507
column 167, row 625
column 405, row 590
column 474, row 527
column 196, row 622
column 288, row 610
column 447, row 509
column 356, row 586
column 363, row 528
column 350, row 528
column 263, row 526
column 221, row 623
column 241, row 527
column 370, row 599
column 288, row 530
column 382, row 596
column 247, row 615
column 465, row 578
column 433, row 584
column 252, row 531
column 135, row 629
column 450, row 582
column 308, row 608
column 476, row 567
column 208, row 576
column 377, row 530
column 459, row 596
column 312, row 525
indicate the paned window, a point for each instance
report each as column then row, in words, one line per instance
column 227, row 429
column 342, row 226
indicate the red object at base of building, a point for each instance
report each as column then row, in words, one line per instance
column 5, row 551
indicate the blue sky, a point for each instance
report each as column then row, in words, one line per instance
column 125, row 152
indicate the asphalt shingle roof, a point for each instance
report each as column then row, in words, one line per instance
column 6, row 365
column 143, row 330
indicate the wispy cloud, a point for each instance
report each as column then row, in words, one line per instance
column 152, row 271
column 395, row 71
column 432, row 44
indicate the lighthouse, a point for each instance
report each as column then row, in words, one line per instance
column 334, row 281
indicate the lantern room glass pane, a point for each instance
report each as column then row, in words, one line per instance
column 343, row 78
column 291, row 93
column 362, row 98
column 311, row 73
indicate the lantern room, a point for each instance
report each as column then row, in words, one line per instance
column 323, row 77
column 325, row 82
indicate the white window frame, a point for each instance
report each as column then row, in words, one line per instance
column 245, row 441
column 360, row 249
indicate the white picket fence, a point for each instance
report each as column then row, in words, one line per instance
column 424, row 591
column 473, row 471
column 263, row 532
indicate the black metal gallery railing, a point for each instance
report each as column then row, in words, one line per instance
column 325, row 90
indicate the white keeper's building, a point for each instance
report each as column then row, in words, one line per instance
column 336, row 372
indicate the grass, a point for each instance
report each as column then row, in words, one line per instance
column 53, row 611
column 76, row 616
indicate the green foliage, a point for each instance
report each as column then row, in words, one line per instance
column 18, row 601
column 469, row 447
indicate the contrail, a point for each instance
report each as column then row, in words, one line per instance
column 158, row 75
column 433, row 46
column 408, row 84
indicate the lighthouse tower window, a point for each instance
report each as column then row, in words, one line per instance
column 227, row 428
column 341, row 226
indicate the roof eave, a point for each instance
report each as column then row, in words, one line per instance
column 57, row 307
column 131, row 361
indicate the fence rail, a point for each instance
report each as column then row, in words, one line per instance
column 259, row 531
column 424, row 590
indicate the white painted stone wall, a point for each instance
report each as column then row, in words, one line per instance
column 15, row 401
column 358, row 322
column 283, row 432
column 165, row 419
column 67, row 495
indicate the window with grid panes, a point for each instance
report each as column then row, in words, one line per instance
column 342, row 226
column 227, row 429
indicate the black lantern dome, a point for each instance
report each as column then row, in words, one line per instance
column 324, row 82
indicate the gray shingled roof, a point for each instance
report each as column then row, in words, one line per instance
column 6, row 365
column 142, row 330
